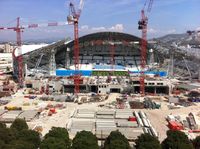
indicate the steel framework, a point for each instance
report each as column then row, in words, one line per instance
column 73, row 19
column 143, row 26
column 19, row 29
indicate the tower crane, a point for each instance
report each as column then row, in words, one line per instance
column 19, row 29
column 143, row 27
column 73, row 19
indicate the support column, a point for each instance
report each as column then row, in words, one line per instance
column 155, row 90
column 67, row 63
column 52, row 64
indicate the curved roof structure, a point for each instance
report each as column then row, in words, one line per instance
column 29, row 48
column 113, row 36
column 94, row 48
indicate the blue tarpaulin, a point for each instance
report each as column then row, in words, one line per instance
column 72, row 72
column 89, row 72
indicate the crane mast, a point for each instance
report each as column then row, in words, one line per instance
column 143, row 51
column 76, row 59
column 19, row 29
column 73, row 19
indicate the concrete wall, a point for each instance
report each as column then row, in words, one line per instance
column 107, row 88
column 103, row 89
column 56, row 85
column 37, row 84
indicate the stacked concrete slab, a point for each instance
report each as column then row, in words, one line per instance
column 2, row 112
column 131, row 133
column 85, row 113
column 10, row 116
column 127, row 124
column 139, row 120
column 28, row 115
column 147, row 127
column 123, row 114
column 102, row 122
column 104, row 127
column 105, row 114
column 79, row 125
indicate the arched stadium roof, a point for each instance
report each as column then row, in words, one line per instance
column 125, row 44
column 111, row 36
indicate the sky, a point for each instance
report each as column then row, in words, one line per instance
column 166, row 17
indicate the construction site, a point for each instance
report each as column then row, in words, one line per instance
column 101, row 82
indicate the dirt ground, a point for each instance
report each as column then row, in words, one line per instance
column 61, row 118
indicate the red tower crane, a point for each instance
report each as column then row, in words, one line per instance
column 143, row 26
column 19, row 29
column 73, row 19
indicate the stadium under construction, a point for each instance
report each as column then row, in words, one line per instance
column 103, row 81
column 105, row 57
column 95, row 54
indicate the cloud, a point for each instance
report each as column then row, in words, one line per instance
column 171, row 31
column 117, row 27
column 158, row 32
column 98, row 28
column 152, row 31
column 161, row 32
column 87, row 29
column 84, row 27
column 198, row 29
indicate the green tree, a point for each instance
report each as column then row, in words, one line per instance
column 7, row 135
column 2, row 125
column 30, row 136
column 85, row 140
column 2, row 144
column 19, row 124
column 20, row 144
column 145, row 141
column 53, row 143
column 18, row 136
column 116, row 141
column 176, row 140
column 54, row 135
column 196, row 142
